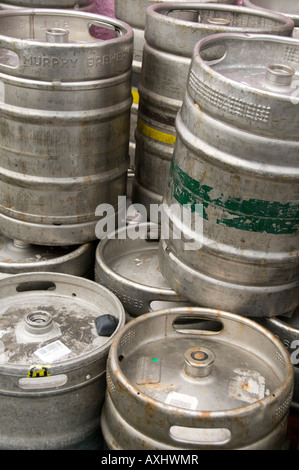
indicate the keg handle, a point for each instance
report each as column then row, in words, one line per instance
column 196, row 324
column 105, row 26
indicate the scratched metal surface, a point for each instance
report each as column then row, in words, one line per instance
column 67, row 107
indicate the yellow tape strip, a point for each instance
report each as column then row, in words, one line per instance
column 154, row 134
column 135, row 96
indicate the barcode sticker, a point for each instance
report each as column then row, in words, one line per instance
column 53, row 351
column 181, row 400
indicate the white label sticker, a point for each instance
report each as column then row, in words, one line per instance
column 248, row 386
column 53, row 351
column 181, row 400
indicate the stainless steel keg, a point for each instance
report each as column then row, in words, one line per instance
column 56, row 331
column 223, row 383
column 171, row 32
column 18, row 257
column 133, row 12
column 65, row 118
column 127, row 263
column 235, row 168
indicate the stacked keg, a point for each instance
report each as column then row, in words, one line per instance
column 170, row 346
column 233, row 168
column 171, row 32
column 134, row 13
column 64, row 112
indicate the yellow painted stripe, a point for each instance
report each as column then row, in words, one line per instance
column 154, row 134
column 135, row 96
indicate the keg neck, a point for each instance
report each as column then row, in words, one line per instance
column 198, row 362
column 38, row 322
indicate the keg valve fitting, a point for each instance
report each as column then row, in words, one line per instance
column 199, row 361
column 279, row 74
column 57, row 35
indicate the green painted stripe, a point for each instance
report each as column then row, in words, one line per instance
column 253, row 215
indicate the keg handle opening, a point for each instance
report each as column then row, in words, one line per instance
column 97, row 28
column 35, row 285
column 197, row 325
column 8, row 58
column 200, row 436
column 216, row 50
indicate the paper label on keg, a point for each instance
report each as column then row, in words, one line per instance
column 180, row 400
column 248, row 385
column 52, row 352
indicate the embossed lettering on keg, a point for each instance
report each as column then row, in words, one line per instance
column 54, row 348
column 236, row 156
column 129, row 267
column 18, row 257
column 223, row 383
column 65, row 118
column 171, row 32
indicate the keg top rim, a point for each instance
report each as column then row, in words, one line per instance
column 222, row 39
column 160, row 9
column 119, row 347
column 117, row 24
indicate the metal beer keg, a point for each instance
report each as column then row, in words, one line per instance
column 17, row 257
column 235, row 168
column 133, row 12
column 56, row 331
column 171, row 32
column 65, row 118
column 226, row 384
column 127, row 263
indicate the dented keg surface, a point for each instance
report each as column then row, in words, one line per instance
column 56, row 331
column 238, row 173
column 17, row 257
column 286, row 328
column 171, row 32
column 64, row 114
column 127, row 263
column 225, row 383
